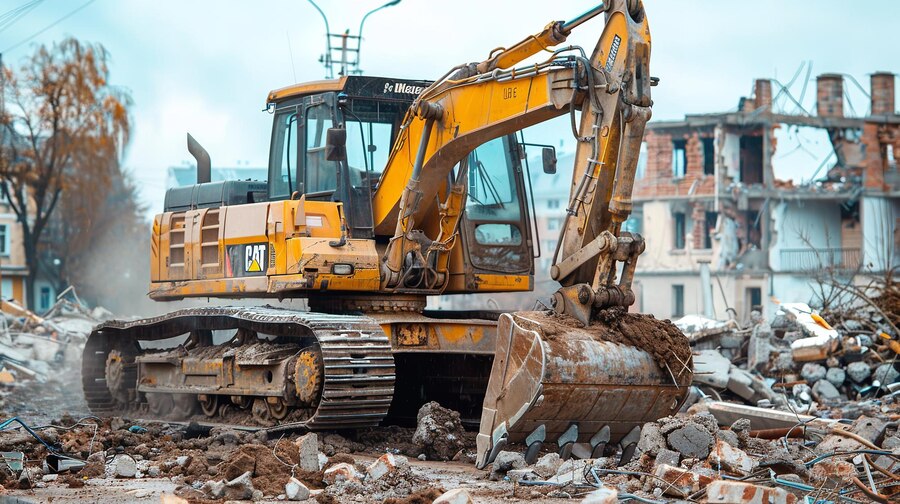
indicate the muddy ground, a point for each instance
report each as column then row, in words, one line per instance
column 174, row 459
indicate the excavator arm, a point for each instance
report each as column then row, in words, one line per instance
column 477, row 102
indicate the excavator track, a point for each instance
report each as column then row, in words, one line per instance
column 357, row 367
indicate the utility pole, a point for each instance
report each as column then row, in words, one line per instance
column 349, row 44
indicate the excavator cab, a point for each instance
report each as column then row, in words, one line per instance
column 366, row 113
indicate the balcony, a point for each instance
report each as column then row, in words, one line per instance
column 806, row 259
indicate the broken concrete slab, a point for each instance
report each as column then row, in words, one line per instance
column 762, row 418
column 123, row 466
column 731, row 459
column 456, row 496
column 240, row 488
column 308, row 449
column 711, row 368
column 295, row 490
column 680, row 482
column 602, row 495
column 341, row 472
column 547, row 465
column 667, row 457
column 691, row 441
column 384, row 465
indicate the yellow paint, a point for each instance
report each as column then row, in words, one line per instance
column 503, row 283
column 320, row 86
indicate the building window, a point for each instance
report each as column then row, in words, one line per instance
column 677, row 301
column 552, row 204
column 6, row 288
column 4, row 240
column 679, row 158
column 45, row 298
column 754, row 300
column 709, row 228
column 553, row 224
column 709, row 156
column 680, row 230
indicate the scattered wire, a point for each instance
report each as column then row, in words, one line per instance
column 51, row 25
column 10, row 17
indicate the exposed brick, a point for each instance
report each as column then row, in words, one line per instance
column 736, row 492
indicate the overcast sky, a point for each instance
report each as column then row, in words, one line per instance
column 205, row 66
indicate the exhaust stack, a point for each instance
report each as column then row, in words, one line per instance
column 204, row 169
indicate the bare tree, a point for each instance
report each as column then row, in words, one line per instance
column 62, row 121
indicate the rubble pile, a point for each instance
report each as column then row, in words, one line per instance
column 32, row 345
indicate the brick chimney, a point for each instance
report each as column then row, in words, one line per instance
column 763, row 91
column 830, row 95
column 883, row 93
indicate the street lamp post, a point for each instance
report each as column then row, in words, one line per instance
column 327, row 59
column 361, row 23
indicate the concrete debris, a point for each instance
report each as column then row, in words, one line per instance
column 341, row 472
column 547, row 465
column 457, row 496
column 308, row 449
column 295, row 490
column 736, row 492
column 439, row 432
column 124, row 466
column 505, row 462
column 385, row 464
column 731, row 459
column 678, row 482
column 240, row 488
column 691, row 441
column 603, row 495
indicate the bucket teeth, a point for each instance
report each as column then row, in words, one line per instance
column 499, row 445
column 599, row 441
column 566, row 440
column 535, row 442
column 629, row 445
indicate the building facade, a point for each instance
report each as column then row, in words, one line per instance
column 710, row 195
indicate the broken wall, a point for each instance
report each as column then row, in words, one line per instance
column 801, row 232
column 880, row 219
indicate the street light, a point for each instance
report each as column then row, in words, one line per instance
column 328, row 49
column 327, row 41
column 361, row 23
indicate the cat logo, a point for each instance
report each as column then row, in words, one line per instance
column 255, row 258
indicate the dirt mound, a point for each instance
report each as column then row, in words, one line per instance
column 270, row 473
column 426, row 496
column 660, row 338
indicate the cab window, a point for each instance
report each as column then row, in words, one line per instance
column 283, row 158
column 321, row 174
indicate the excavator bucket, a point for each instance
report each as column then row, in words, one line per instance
column 555, row 381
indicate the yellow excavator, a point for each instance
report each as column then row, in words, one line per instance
column 382, row 192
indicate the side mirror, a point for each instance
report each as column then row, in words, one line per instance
column 548, row 156
column 336, row 144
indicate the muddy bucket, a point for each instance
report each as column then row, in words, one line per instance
column 556, row 382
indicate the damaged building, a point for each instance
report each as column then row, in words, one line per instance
column 732, row 229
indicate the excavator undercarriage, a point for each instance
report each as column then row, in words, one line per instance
column 382, row 192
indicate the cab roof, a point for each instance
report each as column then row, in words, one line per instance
column 359, row 86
